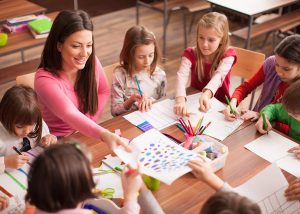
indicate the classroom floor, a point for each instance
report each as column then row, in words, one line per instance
column 109, row 34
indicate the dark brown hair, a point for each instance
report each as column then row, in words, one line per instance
column 289, row 49
column 218, row 22
column 66, row 23
column 229, row 203
column 137, row 36
column 291, row 98
column 60, row 178
column 19, row 106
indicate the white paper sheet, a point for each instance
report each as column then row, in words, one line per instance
column 193, row 104
column 274, row 147
column 158, row 156
column 269, row 193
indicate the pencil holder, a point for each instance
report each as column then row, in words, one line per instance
column 151, row 183
column 192, row 142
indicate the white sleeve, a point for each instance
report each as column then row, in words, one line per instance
column 183, row 75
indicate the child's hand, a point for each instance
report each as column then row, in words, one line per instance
column 227, row 112
column 295, row 150
column 48, row 139
column 203, row 171
column 15, row 161
column 113, row 141
column 3, row 202
column 131, row 183
column 180, row 106
column 260, row 125
column 204, row 100
column 293, row 190
column 250, row 115
column 145, row 104
column 135, row 98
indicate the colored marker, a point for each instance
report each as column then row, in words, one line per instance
column 118, row 169
column 230, row 106
column 265, row 126
column 138, row 84
column 16, row 150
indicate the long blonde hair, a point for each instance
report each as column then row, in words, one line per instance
column 219, row 23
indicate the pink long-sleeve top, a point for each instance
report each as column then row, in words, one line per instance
column 60, row 105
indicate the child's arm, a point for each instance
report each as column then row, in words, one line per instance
column 148, row 202
column 15, row 161
column 182, row 79
column 293, row 190
column 270, row 112
column 3, row 202
column 216, row 82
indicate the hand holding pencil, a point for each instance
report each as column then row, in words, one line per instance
column 15, row 161
column 263, row 125
column 231, row 112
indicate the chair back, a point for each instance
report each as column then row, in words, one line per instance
column 26, row 79
column 104, row 205
column 248, row 63
column 109, row 69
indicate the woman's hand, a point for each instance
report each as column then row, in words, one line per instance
column 293, row 190
column 48, row 140
column 145, row 103
column 228, row 113
column 131, row 183
column 15, row 161
column 260, row 125
column 204, row 100
column 113, row 141
column 180, row 106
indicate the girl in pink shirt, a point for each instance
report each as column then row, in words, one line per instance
column 70, row 82
column 209, row 63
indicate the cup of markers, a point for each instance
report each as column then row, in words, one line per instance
column 192, row 135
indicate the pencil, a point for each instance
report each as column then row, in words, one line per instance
column 191, row 128
column 5, row 191
column 230, row 106
column 138, row 84
column 16, row 150
column 205, row 127
column 180, row 127
column 265, row 126
column 106, row 164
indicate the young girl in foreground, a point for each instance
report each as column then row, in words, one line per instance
column 209, row 63
column 138, row 69
column 275, row 75
column 21, row 126
column 60, row 183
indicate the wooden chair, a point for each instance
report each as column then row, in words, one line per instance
column 248, row 63
column 166, row 7
column 26, row 79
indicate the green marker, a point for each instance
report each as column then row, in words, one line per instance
column 265, row 126
column 118, row 169
column 228, row 102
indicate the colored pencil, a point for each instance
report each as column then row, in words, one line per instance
column 2, row 189
column 230, row 106
column 138, row 84
column 205, row 127
column 191, row 128
column 16, row 150
column 180, row 127
column 265, row 126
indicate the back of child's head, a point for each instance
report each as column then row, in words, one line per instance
column 289, row 49
column 19, row 106
column 291, row 98
column 219, row 23
column 229, row 203
column 134, row 37
column 60, row 178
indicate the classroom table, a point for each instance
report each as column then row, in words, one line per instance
column 250, row 9
column 187, row 194
column 22, row 41
column 14, row 8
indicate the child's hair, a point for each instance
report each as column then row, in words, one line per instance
column 137, row 36
column 291, row 98
column 19, row 106
column 219, row 23
column 60, row 178
column 229, row 203
column 66, row 23
column 289, row 49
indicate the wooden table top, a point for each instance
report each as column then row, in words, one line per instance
column 23, row 40
column 187, row 194
column 14, row 8
column 251, row 7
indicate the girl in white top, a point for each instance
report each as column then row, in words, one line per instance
column 21, row 126
column 138, row 65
